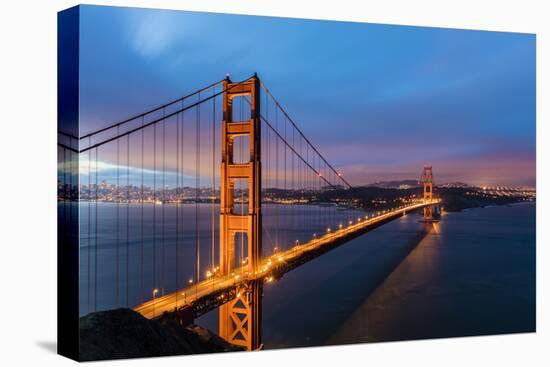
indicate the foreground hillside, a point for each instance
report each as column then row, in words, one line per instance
column 123, row 333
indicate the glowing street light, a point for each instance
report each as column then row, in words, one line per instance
column 155, row 291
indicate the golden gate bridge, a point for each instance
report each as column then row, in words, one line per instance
column 196, row 226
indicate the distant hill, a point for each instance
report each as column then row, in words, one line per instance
column 400, row 184
column 455, row 185
column 410, row 184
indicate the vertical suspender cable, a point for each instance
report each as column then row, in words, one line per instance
column 320, row 193
column 181, row 160
column 89, row 228
column 302, row 186
column 163, row 261
column 277, row 184
column 292, row 174
column 284, row 180
column 241, row 183
column 127, row 216
column 197, row 188
column 213, row 176
column 268, row 164
column 142, row 222
column 155, row 206
column 95, row 235
column 117, row 215
column 177, row 203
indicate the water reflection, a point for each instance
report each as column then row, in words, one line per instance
column 466, row 277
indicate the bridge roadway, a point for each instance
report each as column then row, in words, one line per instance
column 224, row 288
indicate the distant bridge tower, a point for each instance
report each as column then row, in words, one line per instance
column 427, row 179
column 240, row 319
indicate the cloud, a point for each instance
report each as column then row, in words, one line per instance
column 154, row 32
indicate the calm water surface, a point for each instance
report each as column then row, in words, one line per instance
column 472, row 273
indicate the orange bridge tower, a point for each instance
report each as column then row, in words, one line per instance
column 427, row 179
column 240, row 319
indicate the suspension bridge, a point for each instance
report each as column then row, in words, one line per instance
column 175, row 224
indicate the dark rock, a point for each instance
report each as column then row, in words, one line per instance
column 123, row 333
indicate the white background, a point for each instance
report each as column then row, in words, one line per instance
column 28, row 176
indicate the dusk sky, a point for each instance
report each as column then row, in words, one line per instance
column 378, row 101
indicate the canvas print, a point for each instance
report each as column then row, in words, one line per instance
column 242, row 183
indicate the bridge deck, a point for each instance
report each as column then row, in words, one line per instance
column 272, row 267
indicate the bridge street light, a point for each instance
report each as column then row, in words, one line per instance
column 155, row 291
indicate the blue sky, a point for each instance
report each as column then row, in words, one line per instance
column 379, row 101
